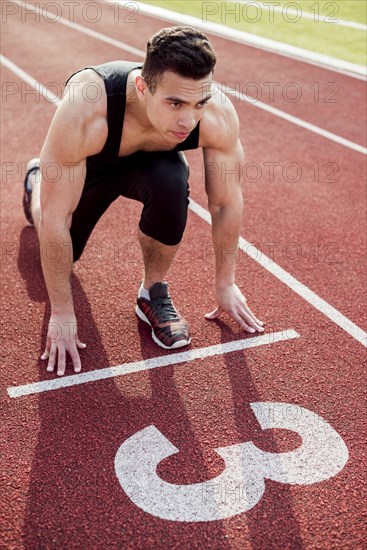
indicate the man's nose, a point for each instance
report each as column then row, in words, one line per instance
column 188, row 122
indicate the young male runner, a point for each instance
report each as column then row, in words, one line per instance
column 128, row 141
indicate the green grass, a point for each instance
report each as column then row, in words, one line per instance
column 318, row 36
column 350, row 10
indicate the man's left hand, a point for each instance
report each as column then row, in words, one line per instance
column 231, row 300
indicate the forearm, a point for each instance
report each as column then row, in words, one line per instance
column 226, row 222
column 56, row 260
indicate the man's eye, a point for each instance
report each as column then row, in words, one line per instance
column 203, row 103
column 175, row 105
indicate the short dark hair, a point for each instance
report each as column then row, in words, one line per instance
column 182, row 50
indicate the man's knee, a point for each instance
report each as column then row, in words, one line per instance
column 169, row 181
column 164, row 191
column 164, row 214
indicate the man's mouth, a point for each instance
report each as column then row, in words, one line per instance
column 181, row 135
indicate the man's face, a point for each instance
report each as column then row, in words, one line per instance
column 177, row 105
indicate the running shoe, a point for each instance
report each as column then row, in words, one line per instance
column 32, row 167
column 169, row 329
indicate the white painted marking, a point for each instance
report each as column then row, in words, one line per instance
column 80, row 28
column 299, row 288
column 42, row 90
column 240, row 486
column 148, row 364
column 297, row 121
column 333, row 314
column 243, row 97
column 326, row 62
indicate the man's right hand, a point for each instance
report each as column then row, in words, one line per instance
column 62, row 337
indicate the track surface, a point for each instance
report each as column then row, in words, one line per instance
column 60, row 488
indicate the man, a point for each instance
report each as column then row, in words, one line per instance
column 128, row 140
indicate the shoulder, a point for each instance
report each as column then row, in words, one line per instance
column 219, row 127
column 85, row 92
column 79, row 127
column 83, row 111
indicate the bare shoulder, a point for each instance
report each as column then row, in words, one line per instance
column 83, row 111
column 219, row 127
column 86, row 92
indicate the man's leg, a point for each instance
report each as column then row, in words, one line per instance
column 157, row 259
column 154, row 305
column 160, row 182
column 99, row 191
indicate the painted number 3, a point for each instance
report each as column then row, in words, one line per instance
column 241, row 485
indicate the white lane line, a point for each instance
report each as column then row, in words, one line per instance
column 42, row 90
column 280, row 48
column 148, row 364
column 333, row 314
column 297, row 121
column 299, row 288
column 243, row 97
column 94, row 34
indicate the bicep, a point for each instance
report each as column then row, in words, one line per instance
column 70, row 140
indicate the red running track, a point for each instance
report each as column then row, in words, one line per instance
column 60, row 488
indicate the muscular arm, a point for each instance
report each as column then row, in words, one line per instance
column 59, row 197
column 223, row 176
column 223, row 160
column 76, row 131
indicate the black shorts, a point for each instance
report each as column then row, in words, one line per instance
column 159, row 180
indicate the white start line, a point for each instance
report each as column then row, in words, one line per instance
column 148, row 364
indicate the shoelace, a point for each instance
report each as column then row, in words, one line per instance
column 164, row 310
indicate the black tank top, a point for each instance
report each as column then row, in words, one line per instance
column 115, row 75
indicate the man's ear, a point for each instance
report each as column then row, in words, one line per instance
column 141, row 88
